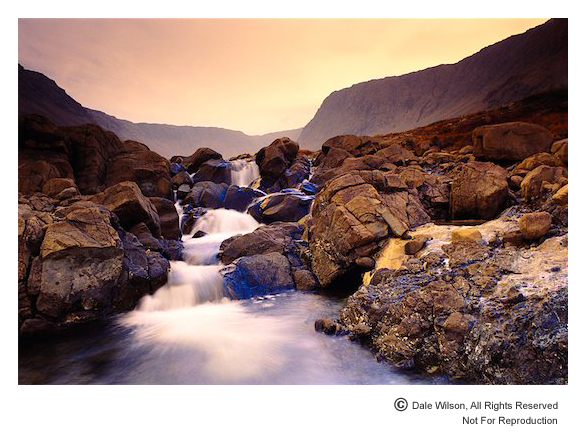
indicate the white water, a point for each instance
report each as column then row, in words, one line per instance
column 244, row 172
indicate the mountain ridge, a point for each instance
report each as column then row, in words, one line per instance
column 39, row 94
column 504, row 72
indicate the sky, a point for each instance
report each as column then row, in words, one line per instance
column 253, row 75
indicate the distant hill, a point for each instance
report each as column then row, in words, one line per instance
column 519, row 66
column 38, row 94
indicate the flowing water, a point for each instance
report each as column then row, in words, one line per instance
column 189, row 333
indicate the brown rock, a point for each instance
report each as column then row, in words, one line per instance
column 55, row 185
column 510, row 141
column 532, row 184
column 535, row 225
column 560, row 150
column 305, row 280
column 561, row 196
column 467, row 234
column 168, row 216
column 130, row 205
column 416, row 244
column 479, row 191
column 274, row 159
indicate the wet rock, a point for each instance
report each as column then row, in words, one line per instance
column 416, row 244
column 328, row 327
column 510, row 141
column 257, row 275
column 366, row 263
column 535, row 225
column 239, row 198
column 277, row 237
column 180, row 179
column 479, row 191
column 192, row 162
column 281, row 207
column 305, row 280
column 207, row 194
column 215, row 170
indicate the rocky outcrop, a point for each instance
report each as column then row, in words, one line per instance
column 462, row 319
column 510, row 141
column 353, row 216
column 76, row 264
column 479, row 191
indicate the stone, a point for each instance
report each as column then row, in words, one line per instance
column 239, row 198
column 133, row 161
column 130, row 205
column 257, row 275
column 180, row 179
column 510, row 141
column 207, row 194
column 168, row 216
column 416, row 244
column 532, row 184
column 56, row 185
column 535, row 225
column 305, row 280
column 273, row 160
column 215, row 170
column 561, row 196
column 467, row 234
column 532, row 162
column 560, row 150
column 281, row 207
column 192, row 162
column 479, row 191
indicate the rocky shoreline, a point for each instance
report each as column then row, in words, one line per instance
column 100, row 220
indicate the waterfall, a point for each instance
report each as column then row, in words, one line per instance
column 196, row 279
column 244, row 172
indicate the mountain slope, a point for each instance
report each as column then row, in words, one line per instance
column 533, row 62
column 38, row 94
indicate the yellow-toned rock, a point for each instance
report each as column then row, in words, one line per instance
column 534, row 225
column 468, row 234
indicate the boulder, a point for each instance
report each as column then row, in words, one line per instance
column 257, row 275
column 532, row 185
column 56, row 185
column 396, row 154
column 130, row 206
column 510, row 141
column 281, row 207
column 532, row 162
column 535, row 225
column 561, row 196
column 354, row 145
column 479, row 191
column 294, row 175
column 81, row 261
column 192, row 162
column 274, row 159
column 239, row 198
column 168, row 216
column 32, row 176
column 276, row 237
column 367, row 163
column 181, row 178
column 135, row 162
column 215, row 170
column 305, row 280
column 207, row 194
column 560, row 150
column 416, row 244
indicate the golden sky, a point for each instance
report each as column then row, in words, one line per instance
column 254, row 75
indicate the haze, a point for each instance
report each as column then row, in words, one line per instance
column 253, row 75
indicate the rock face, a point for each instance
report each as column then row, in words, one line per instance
column 273, row 160
column 169, row 218
column 353, row 215
column 462, row 320
column 510, row 141
column 479, row 191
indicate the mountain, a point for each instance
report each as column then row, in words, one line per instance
column 519, row 66
column 38, row 94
